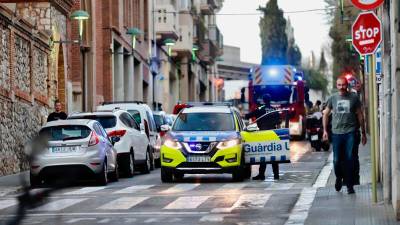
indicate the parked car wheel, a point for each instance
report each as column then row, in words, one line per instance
column 102, row 178
column 147, row 165
column 114, row 176
column 129, row 165
column 34, row 180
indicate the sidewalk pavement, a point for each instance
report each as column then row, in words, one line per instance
column 339, row 208
column 12, row 183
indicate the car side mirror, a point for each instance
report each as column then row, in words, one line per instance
column 252, row 127
column 164, row 128
column 115, row 140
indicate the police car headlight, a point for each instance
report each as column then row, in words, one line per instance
column 228, row 144
column 172, row 144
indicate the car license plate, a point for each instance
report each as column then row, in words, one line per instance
column 66, row 149
column 199, row 159
column 314, row 137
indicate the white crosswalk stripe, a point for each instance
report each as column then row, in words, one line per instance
column 246, row 201
column 7, row 203
column 179, row 188
column 232, row 187
column 85, row 190
column 191, row 202
column 280, row 186
column 123, row 203
column 133, row 189
column 60, row 204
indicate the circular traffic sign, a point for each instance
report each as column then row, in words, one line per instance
column 366, row 33
column 367, row 4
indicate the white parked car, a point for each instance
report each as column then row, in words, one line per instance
column 144, row 116
column 76, row 148
column 132, row 148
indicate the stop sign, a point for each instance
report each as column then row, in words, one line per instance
column 367, row 4
column 366, row 33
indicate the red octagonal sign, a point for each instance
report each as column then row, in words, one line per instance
column 367, row 4
column 366, row 33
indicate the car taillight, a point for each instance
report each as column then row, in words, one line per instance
column 117, row 133
column 94, row 139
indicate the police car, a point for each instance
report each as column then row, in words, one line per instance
column 204, row 139
column 211, row 138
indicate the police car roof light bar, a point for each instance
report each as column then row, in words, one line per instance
column 119, row 102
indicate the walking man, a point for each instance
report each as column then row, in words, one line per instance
column 347, row 116
column 267, row 122
column 58, row 114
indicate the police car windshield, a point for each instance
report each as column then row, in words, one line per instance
column 204, row 122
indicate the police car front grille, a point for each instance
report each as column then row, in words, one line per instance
column 199, row 147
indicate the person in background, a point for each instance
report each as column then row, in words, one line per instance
column 347, row 116
column 268, row 122
column 316, row 107
column 58, row 114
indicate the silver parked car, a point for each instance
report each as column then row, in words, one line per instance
column 132, row 148
column 76, row 148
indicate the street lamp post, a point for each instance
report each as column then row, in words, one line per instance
column 134, row 32
column 82, row 15
column 169, row 43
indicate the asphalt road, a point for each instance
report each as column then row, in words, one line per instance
column 197, row 199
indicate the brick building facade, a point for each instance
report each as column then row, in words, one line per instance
column 30, row 80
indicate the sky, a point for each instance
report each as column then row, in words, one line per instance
column 310, row 28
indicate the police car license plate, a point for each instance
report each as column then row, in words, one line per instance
column 66, row 149
column 198, row 158
column 314, row 137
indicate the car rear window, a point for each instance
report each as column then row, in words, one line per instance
column 136, row 115
column 204, row 122
column 66, row 132
column 106, row 121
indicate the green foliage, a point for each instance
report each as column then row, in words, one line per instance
column 344, row 58
column 294, row 55
column 273, row 35
column 323, row 65
column 316, row 80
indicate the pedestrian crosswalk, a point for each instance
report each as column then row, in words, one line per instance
column 183, row 196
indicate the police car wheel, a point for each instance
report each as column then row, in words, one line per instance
column 237, row 174
column 166, row 175
column 179, row 175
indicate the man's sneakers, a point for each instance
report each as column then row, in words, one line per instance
column 259, row 177
column 350, row 190
column 338, row 184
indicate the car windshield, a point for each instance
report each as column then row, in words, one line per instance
column 107, row 121
column 204, row 122
column 136, row 115
column 66, row 132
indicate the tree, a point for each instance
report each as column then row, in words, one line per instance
column 273, row 36
column 323, row 65
column 344, row 58
column 316, row 80
column 293, row 54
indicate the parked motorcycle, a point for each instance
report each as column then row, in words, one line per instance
column 315, row 131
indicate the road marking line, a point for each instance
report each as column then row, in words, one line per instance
column 133, row 189
column 153, row 213
column 213, row 218
column 179, row 188
column 104, row 221
column 191, row 202
column 123, row 203
column 300, row 210
column 280, row 186
column 83, row 191
column 232, row 187
column 246, row 201
column 8, row 203
column 59, row 204
column 75, row 220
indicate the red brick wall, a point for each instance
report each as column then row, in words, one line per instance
column 73, row 33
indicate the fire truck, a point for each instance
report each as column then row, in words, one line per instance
column 285, row 85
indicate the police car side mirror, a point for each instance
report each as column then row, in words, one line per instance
column 164, row 128
column 252, row 127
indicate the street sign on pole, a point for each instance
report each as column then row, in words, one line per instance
column 378, row 66
column 367, row 4
column 366, row 33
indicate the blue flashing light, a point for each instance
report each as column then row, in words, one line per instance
column 294, row 70
column 273, row 72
